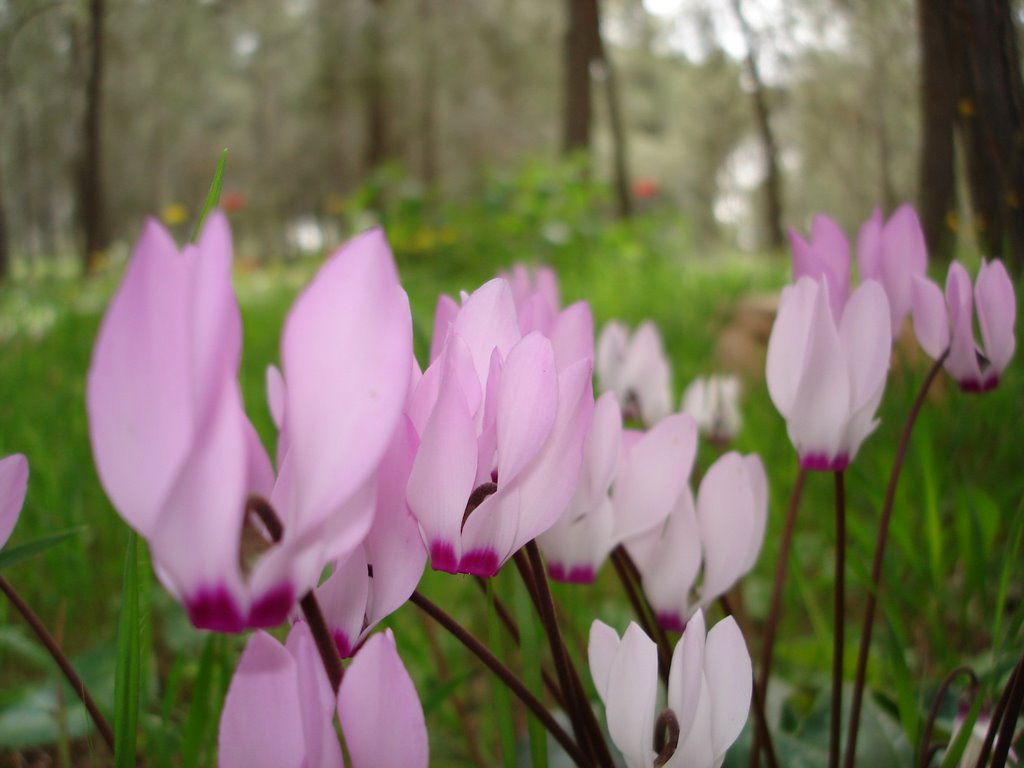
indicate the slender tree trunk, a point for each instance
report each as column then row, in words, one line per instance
column 762, row 113
column 993, row 64
column 377, row 147
column 619, row 148
column 428, row 95
column 92, row 203
column 580, row 41
column 937, row 186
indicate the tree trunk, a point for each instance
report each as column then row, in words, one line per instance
column 580, row 49
column 619, row 150
column 428, row 95
column 92, row 204
column 762, row 113
column 374, row 89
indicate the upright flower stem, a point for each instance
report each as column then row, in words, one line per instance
column 517, row 686
column 761, row 716
column 837, row 625
column 768, row 639
column 879, row 559
column 585, row 725
column 632, row 583
column 1014, row 702
column 62, row 661
column 997, row 716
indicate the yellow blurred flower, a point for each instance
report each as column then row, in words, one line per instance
column 174, row 213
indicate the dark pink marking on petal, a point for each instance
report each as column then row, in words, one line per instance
column 581, row 574
column 557, row 571
column 215, row 608
column 342, row 643
column 671, row 621
column 479, row 562
column 442, row 557
column 819, row 462
column 272, row 608
column 971, row 386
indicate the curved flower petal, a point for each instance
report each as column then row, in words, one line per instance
column 487, row 320
column 962, row 362
column 904, row 257
column 527, row 400
column 601, row 652
column 444, row 316
column 573, row 335
column 631, row 693
column 788, row 344
column 729, row 674
column 611, row 349
column 13, row 485
column 997, row 313
column 670, row 568
column 343, row 598
column 379, row 709
column 931, row 322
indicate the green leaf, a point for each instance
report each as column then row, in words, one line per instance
column 128, row 676
column 200, row 711
column 956, row 749
column 1010, row 559
column 32, row 548
column 530, row 640
column 213, row 196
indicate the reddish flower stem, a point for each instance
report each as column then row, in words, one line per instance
column 997, row 716
column 632, row 583
column 879, row 559
column 835, row 717
column 62, row 661
column 924, row 748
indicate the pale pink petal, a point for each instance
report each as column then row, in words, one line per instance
column 261, row 723
column 997, row 313
column 646, row 373
column 833, row 250
column 602, row 449
column 632, row 693
column 686, row 675
column 822, row 404
column 487, row 320
column 931, row 323
column 13, row 485
column 869, row 247
column 535, row 315
column 759, row 488
column 601, row 652
column 904, row 257
column 788, row 344
column 424, row 396
column 655, row 473
column 654, row 391
column 962, row 362
column 138, row 386
column 346, row 349
column 670, row 568
column 379, row 709
column 342, row 599
column 573, row 335
column 729, row 674
column 546, row 284
column 276, row 395
column 527, row 401
column 728, row 523
column 487, row 425
column 444, row 316
column 804, row 261
column 865, row 336
column 443, row 472
column 260, row 472
column 611, row 350
column 317, row 700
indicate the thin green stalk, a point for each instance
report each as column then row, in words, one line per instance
column 879, row 559
column 774, row 612
column 837, row 625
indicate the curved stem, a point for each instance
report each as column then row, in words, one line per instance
column 62, row 661
column 504, row 674
column 1014, row 702
column 761, row 716
column 837, row 626
column 879, row 559
column 997, row 716
column 924, row 747
column 322, row 636
column 775, row 610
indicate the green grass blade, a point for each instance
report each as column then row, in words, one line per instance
column 956, row 749
column 213, row 196
column 1009, row 560
column 906, row 697
column 498, row 641
column 128, row 677
column 530, row 640
column 32, row 548
column 199, row 712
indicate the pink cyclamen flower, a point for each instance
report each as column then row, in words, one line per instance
column 949, row 323
column 177, row 455
column 709, row 687
column 636, row 370
column 501, row 436
column 714, row 404
column 723, row 533
column 13, row 486
column 893, row 253
column 280, row 708
column 827, row 379
column 826, row 255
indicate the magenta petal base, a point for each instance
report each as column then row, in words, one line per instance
column 671, row 621
column 577, row 574
column 215, row 608
column 479, row 562
column 272, row 608
column 341, row 642
column 442, row 557
column 975, row 387
column 819, row 462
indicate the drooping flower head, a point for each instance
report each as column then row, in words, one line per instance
column 635, row 368
column 708, row 699
column 827, row 378
column 714, row 404
column 942, row 323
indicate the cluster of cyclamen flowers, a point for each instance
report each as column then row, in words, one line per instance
column 381, row 464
